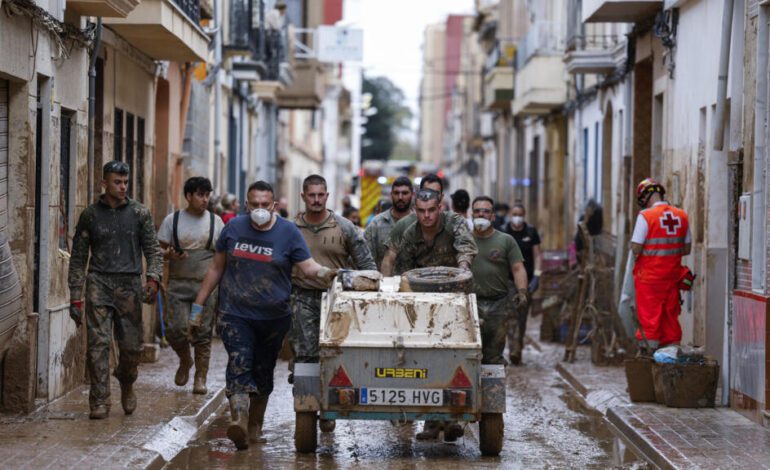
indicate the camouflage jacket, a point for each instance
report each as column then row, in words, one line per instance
column 116, row 239
column 377, row 233
column 452, row 245
column 335, row 243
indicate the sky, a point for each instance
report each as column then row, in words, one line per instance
column 393, row 37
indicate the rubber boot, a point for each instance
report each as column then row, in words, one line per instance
column 257, row 408
column 239, row 419
column 430, row 430
column 127, row 398
column 99, row 412
column 202, row 356
column 452, row 431
column 185, row 363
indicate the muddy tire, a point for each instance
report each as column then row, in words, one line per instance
column 306, row 432
column 491, row 431
column 440, row 279
column 327, row 425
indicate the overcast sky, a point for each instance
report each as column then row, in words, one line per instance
column 393, row 36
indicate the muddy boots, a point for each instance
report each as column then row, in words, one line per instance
column 127, row 398
column 202, row 355
column 99, row 412
column 185, row 363
column 430, row 430
column 452, row 431
column 239, row 419
column 257, row 408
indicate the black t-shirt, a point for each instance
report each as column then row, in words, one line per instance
column 526, row 238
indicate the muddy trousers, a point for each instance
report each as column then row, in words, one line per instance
column 494, row 315
column 113, row 303
column 180, row 295
column 306, row 324
column 658, row 309
column 252, row 350
column 517, row 329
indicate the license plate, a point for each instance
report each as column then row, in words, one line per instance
column 402, row 396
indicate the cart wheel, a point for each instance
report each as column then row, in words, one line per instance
column 327, row 425
column 491, row 429
column 306, row 431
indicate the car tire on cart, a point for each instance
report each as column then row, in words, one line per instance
column 306, row 432
column 491, row 430
column 440, row 279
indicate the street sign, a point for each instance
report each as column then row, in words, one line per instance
column 337, row 44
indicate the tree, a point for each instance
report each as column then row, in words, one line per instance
column 391, row 117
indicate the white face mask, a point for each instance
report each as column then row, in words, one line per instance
column 517, row 220
column 481, row 224
column 261, row 216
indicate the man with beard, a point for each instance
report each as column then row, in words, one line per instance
column 334, row 242
column 378, row 231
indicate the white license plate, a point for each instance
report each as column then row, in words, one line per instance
column 401, row 396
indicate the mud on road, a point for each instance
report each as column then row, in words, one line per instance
column 546, row 426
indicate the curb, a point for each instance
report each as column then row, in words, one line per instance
column 638, row 443
column 173, row 436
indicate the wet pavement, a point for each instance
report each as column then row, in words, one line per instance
column 546, row 426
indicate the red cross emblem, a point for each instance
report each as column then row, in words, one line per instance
column 670, row 222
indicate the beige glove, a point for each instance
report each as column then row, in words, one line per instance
column 327, row 275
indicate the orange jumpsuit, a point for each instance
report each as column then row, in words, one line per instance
column 657, row 272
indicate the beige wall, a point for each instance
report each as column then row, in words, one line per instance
column 432, row 91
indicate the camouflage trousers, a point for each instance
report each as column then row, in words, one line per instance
column 113, row 303
column 517, row 329
column 252, row 350
column 495, row 314
column 180, row 295
column 305, row 324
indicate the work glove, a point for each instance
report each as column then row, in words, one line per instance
column 534, row 284
column 464, row 266
column 150, row 291
column 327, row 275
column 196, row 312
column 521, row 299
column 76, row 312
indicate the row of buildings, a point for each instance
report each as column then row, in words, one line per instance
column 231, row 90
column 557, row 102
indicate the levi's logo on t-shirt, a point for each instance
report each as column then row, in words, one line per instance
column 254, row 250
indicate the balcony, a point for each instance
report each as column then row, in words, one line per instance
column 594, row 54
column 307, row 89
column 619, row 11
column 540, row 86
column 104, row 8
column 498, row 88
column 165, row 30
column 543, row 39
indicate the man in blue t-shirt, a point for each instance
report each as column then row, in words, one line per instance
column 252, row 267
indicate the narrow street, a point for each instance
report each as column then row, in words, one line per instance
column 546, row 426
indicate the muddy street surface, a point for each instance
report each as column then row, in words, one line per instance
column 546, row 426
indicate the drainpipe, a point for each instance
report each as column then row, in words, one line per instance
column 217, row 93
column 760, row 114
column 724, row 64
column 92, row 109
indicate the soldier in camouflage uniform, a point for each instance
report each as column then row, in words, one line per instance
column 116, row 231
column 437, row 239
column 378, row 230
column 499, row 278
column 395, row 260
column 334, row 242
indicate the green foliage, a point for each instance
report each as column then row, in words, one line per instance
column 392, row 116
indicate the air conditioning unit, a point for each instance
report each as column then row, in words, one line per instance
column 744, row 227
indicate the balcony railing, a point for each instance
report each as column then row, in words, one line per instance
column 249, row 36
column 593, row 41
column 543, row 38
column 191, row 8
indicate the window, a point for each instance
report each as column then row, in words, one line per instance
column 118, row 132
column 65, row 174
column 139, row 170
